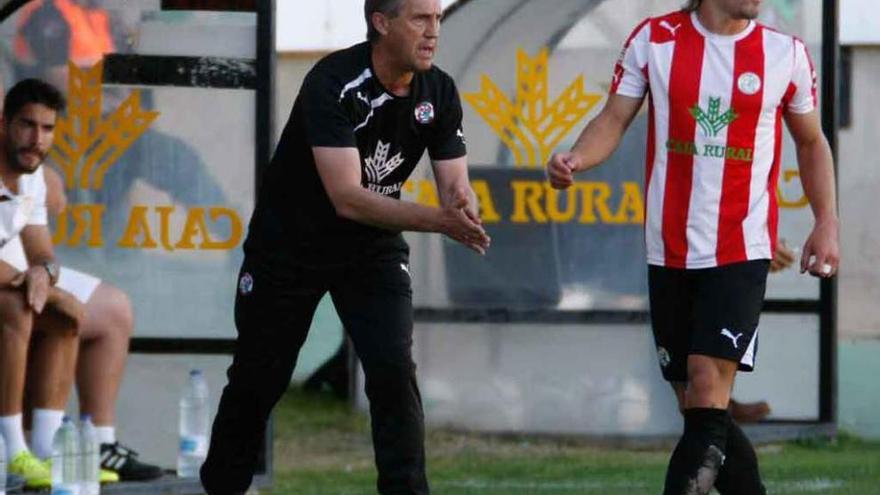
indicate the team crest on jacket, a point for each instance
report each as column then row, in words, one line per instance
column 663, row 356
column 749, row 83
column 425, row 112
column 245, row 284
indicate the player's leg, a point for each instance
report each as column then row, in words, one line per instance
column 51, row 366
column 672, row 295
column 104, row 340
column 375, row 305
column 273, row 312
column 728, row 303
column 15, row 334
column 744, row 283
column 103, row 351
column 739, row 474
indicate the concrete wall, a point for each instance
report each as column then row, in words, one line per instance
column 859, row 183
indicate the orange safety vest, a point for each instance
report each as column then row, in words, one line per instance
column 90, row 31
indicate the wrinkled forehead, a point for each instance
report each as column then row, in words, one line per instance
column 421, row 6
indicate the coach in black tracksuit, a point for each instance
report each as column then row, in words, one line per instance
column 328, row 218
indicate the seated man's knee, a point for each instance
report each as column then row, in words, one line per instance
column 16, row 318
column 116, row 309
column 63, row 313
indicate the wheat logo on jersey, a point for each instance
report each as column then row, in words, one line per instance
column 245, row 284
column 749, row 83
column 425, row 113
column 663, row 356
column 712, row 121
column 379, row 166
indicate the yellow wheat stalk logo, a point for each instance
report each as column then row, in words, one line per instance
column 90, row 141
column 532, row 126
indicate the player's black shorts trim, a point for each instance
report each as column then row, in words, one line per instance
column 710, row 311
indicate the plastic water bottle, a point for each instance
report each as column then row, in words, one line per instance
column 2, row 465
column 65, row 457
column 193, row 447
column 90, row 464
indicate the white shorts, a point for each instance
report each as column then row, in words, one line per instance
column 81, row 285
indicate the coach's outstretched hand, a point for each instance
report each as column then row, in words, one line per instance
column 561, row 168
column 460, row 221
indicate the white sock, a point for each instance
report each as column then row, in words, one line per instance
column 106, row 434
column 13, row 434
column 45, row 423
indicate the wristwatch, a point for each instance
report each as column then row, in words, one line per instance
column 53, row 269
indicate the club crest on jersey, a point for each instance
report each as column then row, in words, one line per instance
column 245, row 284
column 425, row 113
column 663, row 356
column 749, row 83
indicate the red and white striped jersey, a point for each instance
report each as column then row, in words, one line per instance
column 714, row 134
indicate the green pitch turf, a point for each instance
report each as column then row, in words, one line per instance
column 321, row 447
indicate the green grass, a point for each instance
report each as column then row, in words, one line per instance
column 322, row 447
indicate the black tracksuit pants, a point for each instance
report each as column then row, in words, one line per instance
column 273, row 312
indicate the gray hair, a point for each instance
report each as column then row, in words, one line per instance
column 390, row 8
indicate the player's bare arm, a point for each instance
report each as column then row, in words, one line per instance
column 597, row 141
column 37, row 279
column 821, row 253
column 340, row 172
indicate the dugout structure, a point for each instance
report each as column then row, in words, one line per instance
column 168, row 127
column 549, row 333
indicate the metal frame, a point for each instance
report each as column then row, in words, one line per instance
column 828, row 287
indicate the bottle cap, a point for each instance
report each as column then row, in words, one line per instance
column 195, row 372
column 85, row 417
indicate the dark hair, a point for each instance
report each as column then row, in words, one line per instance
column 391, row 8
column 29, row 91
column 692, row 5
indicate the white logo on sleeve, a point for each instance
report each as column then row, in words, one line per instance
column 405, row 268
column 460, row 134
column 725, row 332
column 669, row 27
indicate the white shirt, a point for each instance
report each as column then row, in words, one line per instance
column 28, row 207
column 715, row 129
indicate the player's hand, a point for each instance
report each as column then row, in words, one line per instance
column 561, row 168
column 783, row 257
column 821, row 255
column 461, row 222
column 35, row 282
